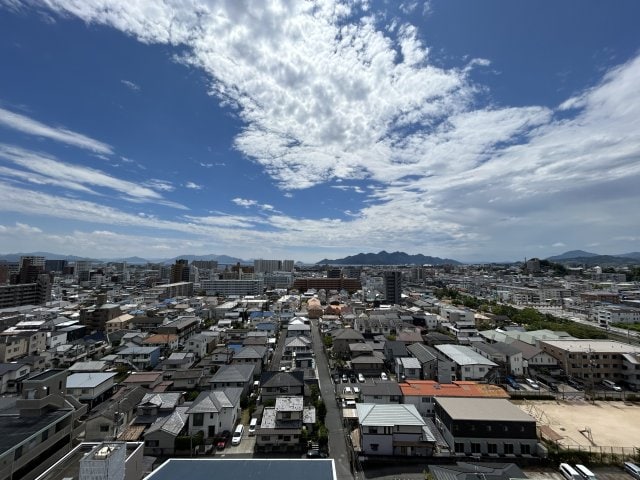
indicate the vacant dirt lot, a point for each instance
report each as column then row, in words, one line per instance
column 615, row 424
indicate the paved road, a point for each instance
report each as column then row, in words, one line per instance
column 333, row 421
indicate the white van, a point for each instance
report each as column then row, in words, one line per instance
column 585, row 472
column 611, row 385
column 237, row 435
column 252, row 426
column 632, row 469
column 569, row 472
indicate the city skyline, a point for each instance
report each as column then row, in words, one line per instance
column 310, row 130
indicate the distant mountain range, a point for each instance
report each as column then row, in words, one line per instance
column 222, row 259
column 386, row 258
column 589, row 259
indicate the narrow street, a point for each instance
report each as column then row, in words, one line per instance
column 333, row 421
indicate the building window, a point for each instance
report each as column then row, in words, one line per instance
column 374, row 447
column 492, row 448
column 104, row 428
column 475, row 448
column 525, row 449
column 459, row 447
column 373, row 429
column 508, row 448
column 198, row 419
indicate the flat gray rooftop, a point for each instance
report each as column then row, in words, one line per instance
column 246, row 469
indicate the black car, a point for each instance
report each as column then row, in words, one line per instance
column 353, row 378
column 315, row 453
column 336, row 378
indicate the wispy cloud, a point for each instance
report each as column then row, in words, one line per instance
column 131, row 85
column 40, row 168
column 193, row 186
column 30, row 126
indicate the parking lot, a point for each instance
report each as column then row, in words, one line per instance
column 246, row 446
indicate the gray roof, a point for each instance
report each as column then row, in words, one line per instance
column 528, row 351
column 251, row 352
column 247, row 469
column 10, row 367
column 483, row 409
column 124, row 399
column 233, row 373
column 213, row 402
column 162, row 400
column 497, row 348
column 409, row 362
column 347, row 334
column 172, row 424
column 380, row 414
column 381, row 388
column 421, row 352
column 464, row 355
column 367, row 359
column 281, row 379
column 88, row 380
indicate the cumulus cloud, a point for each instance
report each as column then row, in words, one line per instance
column 30, row 126
column 325, row 95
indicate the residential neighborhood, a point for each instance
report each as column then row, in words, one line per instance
column 320, row 373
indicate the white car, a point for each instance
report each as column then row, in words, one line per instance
column 532, row 383
column 237, row 435
column 348, row 391
column 361, row 378
column 383, row 376
column 356, row 390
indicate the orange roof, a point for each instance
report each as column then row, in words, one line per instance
column 431, row 388
column 161, row 338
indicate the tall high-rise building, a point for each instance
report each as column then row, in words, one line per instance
column 266, row 266
column 393, row 286
column 180, row 271
column 30, row 268
column 205, row 264
column 55, row 265
column 82, row 269
column 287, row 265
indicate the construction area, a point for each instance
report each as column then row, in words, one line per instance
column 605, row 425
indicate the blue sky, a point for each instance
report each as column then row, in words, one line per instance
column 491, row 130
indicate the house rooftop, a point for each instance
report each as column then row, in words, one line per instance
column 88, row 380
column 483, row 409
column 431, row 388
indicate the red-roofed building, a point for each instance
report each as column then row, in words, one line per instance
column 422, row 393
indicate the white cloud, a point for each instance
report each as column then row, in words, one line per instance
column 193, row 186
column 30, row 126
column 131, row 85
column 44, row 169
column 161, row 185
column 327, row 96
column 243, row 202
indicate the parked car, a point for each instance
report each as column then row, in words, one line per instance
column 352, row 377
column 313, row 453
column 356, row 390
column 345, row 379
column 532, row 383
column 237, row 435
column 336, row 378
column 611, row 385
column 383, row 376
column 361, row 378
column 348, row 391
column 223, row 439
